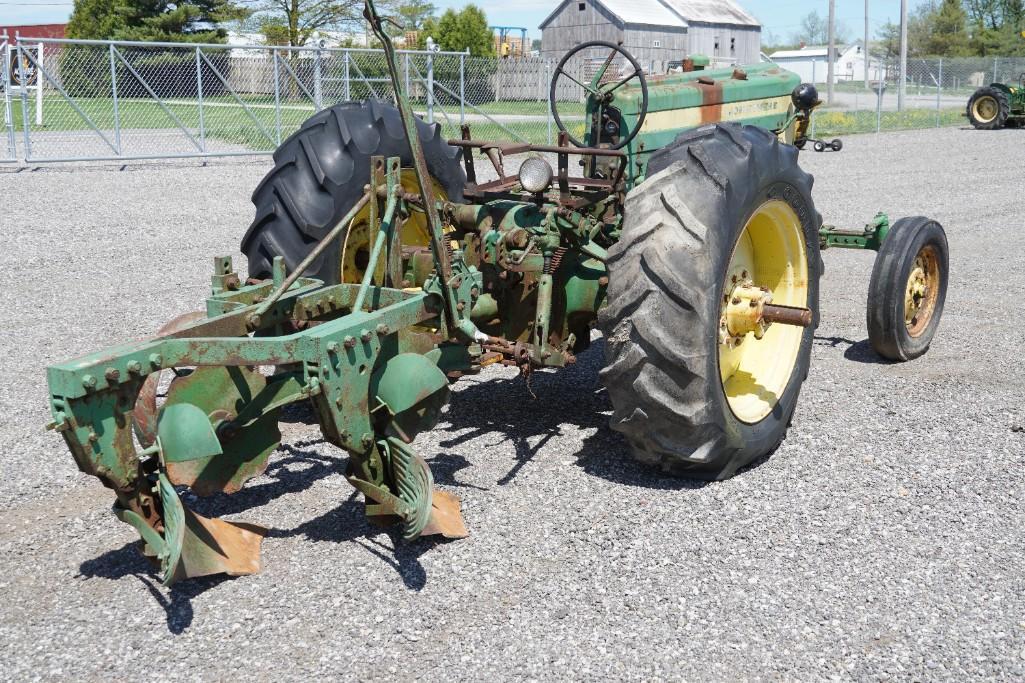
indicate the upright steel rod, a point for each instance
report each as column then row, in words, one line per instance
column 901, row 86
column 462, row 89
column 830, row 50
column 277, row 96
column 113, row 93
column 199, row 98
column 864, row 47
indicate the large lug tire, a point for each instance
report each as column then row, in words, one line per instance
column 989, row 108
column 319, row 174
column 908, row 289
column 669, row 274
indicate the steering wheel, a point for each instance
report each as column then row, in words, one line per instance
column 601, row 94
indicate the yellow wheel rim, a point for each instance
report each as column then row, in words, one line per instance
column 771, row 253
column 985, row 109
column 358, row 240
column 922, row 290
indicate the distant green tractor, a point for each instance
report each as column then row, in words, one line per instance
column 998, row 105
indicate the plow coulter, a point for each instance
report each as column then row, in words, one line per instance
column 382, row 269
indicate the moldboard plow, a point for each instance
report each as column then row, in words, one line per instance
column 381, row 270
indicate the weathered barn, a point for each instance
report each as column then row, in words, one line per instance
column 655, row 31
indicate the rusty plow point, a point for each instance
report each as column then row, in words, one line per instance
column 194, row 545
column 786, row 315
column 215, row 546
column 446, row 517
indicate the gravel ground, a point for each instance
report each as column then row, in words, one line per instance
column 884, row 539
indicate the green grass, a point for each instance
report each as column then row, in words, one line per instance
column 844, row 122
column 225, row 120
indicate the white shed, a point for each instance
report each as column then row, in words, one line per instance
column 810, row 63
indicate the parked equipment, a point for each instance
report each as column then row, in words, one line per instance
column 997, row 105
column 382, row 267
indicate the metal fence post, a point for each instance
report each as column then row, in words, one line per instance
column 430, row 88
column 879, row 100
column 5, row 79
column 113, row 93
column 814, row 62
column 462, row 89
column 318, row 93
column 39, row 87
column 939, row 91
column 551, row 104
column 277, row 96
column 409, row 93
column 199, row 100
column 348, row 88
column 24, row 100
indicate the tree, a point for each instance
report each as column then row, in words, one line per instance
column 161, row 20
column 300, row 20
column 458, row 31
column 815, row 31
column 413, row 13
column 948, row 34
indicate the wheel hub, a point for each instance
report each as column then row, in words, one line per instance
column 920, row 291
column 986, row 109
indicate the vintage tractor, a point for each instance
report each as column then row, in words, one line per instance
column 998, row 105
column 382, row 267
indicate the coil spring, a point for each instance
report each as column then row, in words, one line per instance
column 552, row 264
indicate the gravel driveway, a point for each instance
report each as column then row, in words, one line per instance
column 884, row 539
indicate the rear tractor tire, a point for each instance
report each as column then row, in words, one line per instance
column 319, row 174
column 989, row 108
column 723, row 207
column 908, row 289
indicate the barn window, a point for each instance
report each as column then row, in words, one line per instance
column 657, row 43
column 716, row 44
column 733, row 46
column 581, row 6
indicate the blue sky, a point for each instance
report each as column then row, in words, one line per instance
column 780, row 18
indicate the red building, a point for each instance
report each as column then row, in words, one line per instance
column 33, row 31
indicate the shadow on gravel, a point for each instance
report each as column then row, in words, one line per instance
column 502, row 410
column 857, row 351
column 128, row 561
column 295, row 472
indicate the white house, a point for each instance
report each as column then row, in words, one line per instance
column 810, row 63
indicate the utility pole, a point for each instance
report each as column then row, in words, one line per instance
column 830, row 59
column 864, row 47
column 902, row 86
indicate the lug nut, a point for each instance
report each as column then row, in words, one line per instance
column 349, row 341
column 89, row 382
column 112, row 374
column 156, row 360
column 365, row 335
column 134, row 367
column 382, row 329
column 332, row 347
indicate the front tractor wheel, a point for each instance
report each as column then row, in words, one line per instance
column 712, row 302
column 908, row 289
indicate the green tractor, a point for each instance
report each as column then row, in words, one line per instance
column 384, row 265
column 998, row 105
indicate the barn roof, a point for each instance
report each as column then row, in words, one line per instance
column 633, row 12
column 712, row 12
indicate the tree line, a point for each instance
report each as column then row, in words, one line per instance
column 937, row 28
column 279, row 22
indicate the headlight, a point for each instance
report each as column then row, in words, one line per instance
column 535, row 174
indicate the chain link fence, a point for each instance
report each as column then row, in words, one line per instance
column 8, row 149
column 67, row 100
column 936, row 93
